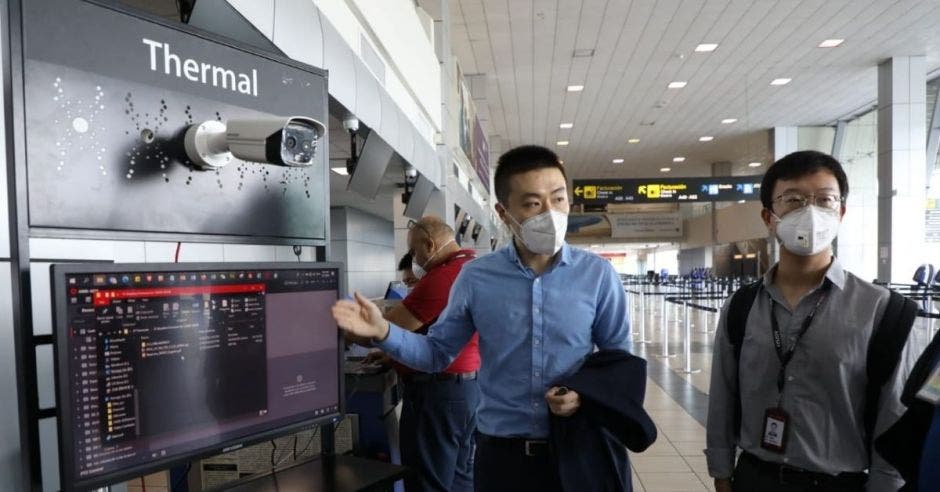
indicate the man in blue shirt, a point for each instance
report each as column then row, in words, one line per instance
column 539, row 306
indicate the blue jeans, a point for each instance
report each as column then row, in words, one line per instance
column 438, row 419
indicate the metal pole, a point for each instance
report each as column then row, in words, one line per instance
column 687, row 344
column 642, row 315
column 665, row 326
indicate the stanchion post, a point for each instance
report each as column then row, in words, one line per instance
column 665, row 339
column 687, row 344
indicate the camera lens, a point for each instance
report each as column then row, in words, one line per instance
column 290, row 142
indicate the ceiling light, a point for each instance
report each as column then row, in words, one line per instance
column 831, row 43
column 706, row 47
column 705, row 139
column 728, row 121
column 562, row 142
column 678, row 159
column 575, row 88
column 755, row 164
column 341, row 170
column 583, row 53
column 618, row 161
column 633, row 140
column 565, row 126
column 677, row 85
column 665, row 169
column 780, row 81
column 741, row 201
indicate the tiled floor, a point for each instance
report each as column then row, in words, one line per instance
column 675, row 462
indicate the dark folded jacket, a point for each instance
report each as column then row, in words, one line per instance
column 902, row 444
column 591, row 446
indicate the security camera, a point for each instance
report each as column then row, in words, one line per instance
column 351, row 124
column 285, row 141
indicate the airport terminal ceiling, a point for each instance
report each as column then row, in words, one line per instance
column 626, row 55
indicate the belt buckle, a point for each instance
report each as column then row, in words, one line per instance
column 529, row 450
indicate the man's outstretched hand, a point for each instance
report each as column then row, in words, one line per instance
column 361, row 318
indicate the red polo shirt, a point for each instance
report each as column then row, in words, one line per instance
column 429, row 298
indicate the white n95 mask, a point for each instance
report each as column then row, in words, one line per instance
column 545, row 233
column 808, row 230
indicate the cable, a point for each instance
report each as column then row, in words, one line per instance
column 176, row 257
column 273, row 450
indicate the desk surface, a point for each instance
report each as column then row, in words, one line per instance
column 333, row 474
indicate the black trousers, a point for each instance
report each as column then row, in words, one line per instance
column 751, row 477
column 500, row 468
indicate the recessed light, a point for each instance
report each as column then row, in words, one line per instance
column 743, row 201
column 755, row 164
column 565, row 126
column 618, row 161
column 340, row 170
column 562, row 142
column 677, row 85
column 633, row 140
column 665, row 169
column 728, row 121
column 780, row 81
column 678, row 159
column 705, row 139
column 575, row 88
column 706, row 47
column 831, row 43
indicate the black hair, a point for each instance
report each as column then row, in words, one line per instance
column 797, row 165
column 405, row 262
column 522, row 160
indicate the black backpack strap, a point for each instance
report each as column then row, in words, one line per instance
column 884, row 353
column 739, row 309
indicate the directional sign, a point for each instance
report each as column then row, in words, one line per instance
column 717, row 189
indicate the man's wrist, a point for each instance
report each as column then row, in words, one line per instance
column 388, row 330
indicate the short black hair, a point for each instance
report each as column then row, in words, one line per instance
column 797, row 165
column 522, row 160
column 405, row 262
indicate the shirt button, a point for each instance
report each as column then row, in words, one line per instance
column 786, row 460
column 536, row 341
column 537, row 374
column 535, row 404
column 790, row 378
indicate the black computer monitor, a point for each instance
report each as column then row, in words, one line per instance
column 157, row 364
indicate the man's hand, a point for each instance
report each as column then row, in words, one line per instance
column 377, row 357
column 361, row 318
column 723, row 485
column 562, row 401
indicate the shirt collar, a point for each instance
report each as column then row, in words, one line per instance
column 513, row 256
column 835, row 274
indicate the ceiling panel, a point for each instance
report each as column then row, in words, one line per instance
column 526, row 51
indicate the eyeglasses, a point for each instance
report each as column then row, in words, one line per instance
column 412, row 225
column 789, row 202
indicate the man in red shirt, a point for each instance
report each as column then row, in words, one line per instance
column 439, row 411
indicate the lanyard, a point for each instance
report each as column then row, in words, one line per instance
column 786, row 356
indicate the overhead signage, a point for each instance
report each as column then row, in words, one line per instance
column 659, row 190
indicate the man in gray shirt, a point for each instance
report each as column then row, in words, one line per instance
column 802, row 377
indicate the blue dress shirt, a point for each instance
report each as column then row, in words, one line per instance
column 534, row 330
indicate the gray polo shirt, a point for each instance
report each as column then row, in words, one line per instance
column 824, row 393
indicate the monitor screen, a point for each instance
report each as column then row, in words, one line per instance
column 158, row 364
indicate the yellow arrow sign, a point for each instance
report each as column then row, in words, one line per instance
column 577, row 191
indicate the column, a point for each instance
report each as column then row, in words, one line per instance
column 902, row 148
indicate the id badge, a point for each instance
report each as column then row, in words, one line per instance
column 775, row 430
column 930, row 391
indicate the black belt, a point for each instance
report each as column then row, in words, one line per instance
column 791, row 475
column 422, row 377
column 521, row 445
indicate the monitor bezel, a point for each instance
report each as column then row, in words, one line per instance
column 68, row 479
